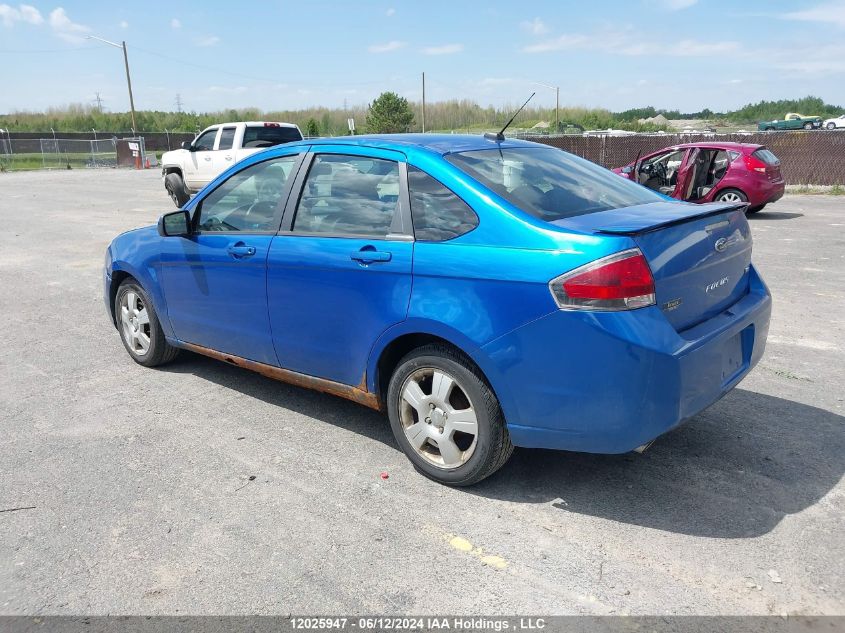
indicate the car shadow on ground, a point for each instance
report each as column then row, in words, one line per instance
column 733, row 471
column 774, row 215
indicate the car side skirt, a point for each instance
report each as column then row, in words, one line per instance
column 357, row 394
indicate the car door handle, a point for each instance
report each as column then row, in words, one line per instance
column 207, row 158
column 228, row 157
column 241, row 250
column 370, row 255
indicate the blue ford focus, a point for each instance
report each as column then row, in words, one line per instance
column 484, row 293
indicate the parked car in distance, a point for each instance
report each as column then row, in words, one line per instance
column 711, row 172
column 190, row 168
column 483, row 293
column 836, row 122
column 792, row 121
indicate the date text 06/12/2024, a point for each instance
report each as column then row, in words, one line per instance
column 417, row 623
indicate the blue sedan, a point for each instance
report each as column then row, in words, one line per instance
column 484, row 293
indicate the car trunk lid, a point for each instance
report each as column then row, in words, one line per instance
column 698, row 254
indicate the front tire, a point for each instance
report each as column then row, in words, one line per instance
column 808, row 126
column 139, row 327
column 446, row 418
column 176, row 189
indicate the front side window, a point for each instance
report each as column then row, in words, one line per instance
column 438, row 214
column 550, row 184
column 251, row 200
column 348, row 195
column 227, row 138
column 205, row 141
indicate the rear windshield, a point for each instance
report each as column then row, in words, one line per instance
column 255, row 136
column 766, row 156
column 549, row 183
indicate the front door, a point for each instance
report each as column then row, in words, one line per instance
column 339, row 273
column 215, row 280
column 199, row 164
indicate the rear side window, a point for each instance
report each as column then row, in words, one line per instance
column 766, row 156
column 439, row 214
column 227, row 138
column 268, row 136
column 551, row 184
column 348, row 195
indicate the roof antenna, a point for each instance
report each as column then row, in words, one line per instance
column 500, row 135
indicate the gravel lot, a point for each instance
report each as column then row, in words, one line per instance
column 143, row 503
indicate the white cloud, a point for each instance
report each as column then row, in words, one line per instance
column 677, row 5
column 24, row 13
column 175, row 24
column 735, row 81
column 386, row 48
column 626, row 43
column 446, row 49
column 207, row 40
column 535, row 26
column 390, row 12
column 830, row 13
column 65, row 28
column 124, row 24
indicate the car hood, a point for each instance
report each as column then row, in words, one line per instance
column 173, row 156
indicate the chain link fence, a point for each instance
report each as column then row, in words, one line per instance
column 807, row 158
column 60, row 153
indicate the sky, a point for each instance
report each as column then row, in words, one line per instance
column 673, row 54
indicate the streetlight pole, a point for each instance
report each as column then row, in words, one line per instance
column 122, row 45
column 557, row 103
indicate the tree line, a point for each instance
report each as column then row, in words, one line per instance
column 445, row 116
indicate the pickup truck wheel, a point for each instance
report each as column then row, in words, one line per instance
column 176, row 189
column 139, row 328
column 808, row 126
column 446, row 417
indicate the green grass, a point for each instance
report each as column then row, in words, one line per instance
column 817, row 190
column 15, row 162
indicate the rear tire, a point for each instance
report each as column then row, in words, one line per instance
column 139, row 327
column 446, row 418
column 756, row 209
column 731, row 195
column 176, row 189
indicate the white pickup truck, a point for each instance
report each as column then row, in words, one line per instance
column 185, row 171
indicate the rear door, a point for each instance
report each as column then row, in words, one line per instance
column 224, row 156
column 215, row 280
column 339, row 272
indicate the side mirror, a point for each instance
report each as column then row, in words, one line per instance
column 175, row 224
column 187, row 145
column 627, row 169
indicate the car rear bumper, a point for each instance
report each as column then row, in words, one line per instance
column 610, row 382
column 767, row 191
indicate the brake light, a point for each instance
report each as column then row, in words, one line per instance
column 755, row 164
column 619, row 282
column 272, row 125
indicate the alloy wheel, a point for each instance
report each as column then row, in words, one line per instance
column 438, row 418
column 135, row 321
column 730, row 196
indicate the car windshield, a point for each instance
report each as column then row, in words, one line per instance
column 551, row 184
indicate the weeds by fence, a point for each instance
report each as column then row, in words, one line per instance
column 59, row 153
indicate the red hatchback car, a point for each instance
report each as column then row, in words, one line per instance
column 711, row 172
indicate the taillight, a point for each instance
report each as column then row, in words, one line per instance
column 618, row 282
column 755, row 164
column 272, row 125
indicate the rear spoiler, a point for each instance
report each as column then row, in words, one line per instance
column 652, row 219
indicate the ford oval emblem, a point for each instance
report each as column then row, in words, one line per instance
column 721, row 244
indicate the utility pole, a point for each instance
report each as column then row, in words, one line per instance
column 122, row 46
column 557, row 102
column 423, row 104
